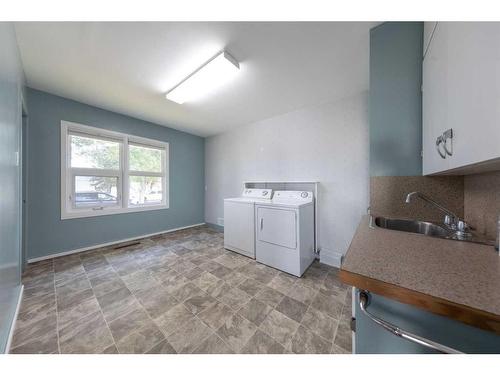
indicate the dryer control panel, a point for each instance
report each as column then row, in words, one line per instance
column 293, row 196
column 257, row 193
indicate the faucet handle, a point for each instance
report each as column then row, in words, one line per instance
column 462, row 226
column 449, row 221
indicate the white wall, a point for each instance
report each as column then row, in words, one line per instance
column 326, row 143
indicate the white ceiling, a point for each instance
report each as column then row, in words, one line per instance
column 128, row 67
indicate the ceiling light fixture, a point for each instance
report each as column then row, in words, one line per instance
column 215, row 72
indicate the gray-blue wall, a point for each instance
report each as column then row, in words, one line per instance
column 396, row 99
column 11, row 84
column 47, row 233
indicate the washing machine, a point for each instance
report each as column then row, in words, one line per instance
column 285, row 231
column 239, row 220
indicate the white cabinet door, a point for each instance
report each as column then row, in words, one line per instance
column 435, row 100
column 474, row 91
column 461, row 91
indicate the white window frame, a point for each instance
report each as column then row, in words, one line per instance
column 68, row 211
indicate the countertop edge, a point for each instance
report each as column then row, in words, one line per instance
column 465, row 314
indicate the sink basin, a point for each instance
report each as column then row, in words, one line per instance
column 412, row 226
column 426, row 228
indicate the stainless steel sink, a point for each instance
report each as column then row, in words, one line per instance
column 426, row 228
column 413, row 226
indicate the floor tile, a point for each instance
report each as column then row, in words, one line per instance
column 215, row 315
column 205, row 281
column 35, row 330
column 179, row 292
column 86, row 323
column 140, row 280
column 163, row 347
column 213, row 345
column 128, row 323
column 71, row 286
column 87, row 342
column 108, row 287
column 255, row 311
column 156, row 301
column 234, row 298
column 283, row 282
column 236, row 331
column 234, row 279
column 173, row 319
column 186, row 338
column 302, row 293
column 39, row 290
column 47, row 344
column 199, row 303
column 261, row 343
column 343, row 337
column 307, row 342
column 35, row 309
column 292, row 308
column 187, row 291
column 320, row 323
column 328, row 305
column 221, row 271
column 251, row 286
column 99, row 279
column 140, row 341
column 279, row 326
column 270, row 296
column 112, row 349
column 77, row 312
column 110, row 298
column 338, row 350
column 118, row 308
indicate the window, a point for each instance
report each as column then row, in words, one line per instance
column 104, row 172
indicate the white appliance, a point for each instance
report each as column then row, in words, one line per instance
column 285, row 231
column 239, row 220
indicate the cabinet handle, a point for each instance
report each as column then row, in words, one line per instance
column 261, row 223
column 448, row 135
column 439, row 141
column 364, row 302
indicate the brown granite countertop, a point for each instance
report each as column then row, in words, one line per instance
column 461, row 274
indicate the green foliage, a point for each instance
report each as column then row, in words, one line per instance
column 93, row 153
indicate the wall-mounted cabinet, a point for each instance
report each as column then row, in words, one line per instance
column 461, row 91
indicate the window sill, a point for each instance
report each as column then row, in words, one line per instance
column 76, row 214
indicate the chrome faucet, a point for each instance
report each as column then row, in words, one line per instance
column 451, row 220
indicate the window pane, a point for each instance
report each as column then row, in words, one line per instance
column 145, row 190
column 94, row 153
column 145, row 159
column 95, row 191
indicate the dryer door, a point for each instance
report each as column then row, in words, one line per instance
column 277, row 226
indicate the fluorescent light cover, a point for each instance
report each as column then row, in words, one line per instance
column 214, row 73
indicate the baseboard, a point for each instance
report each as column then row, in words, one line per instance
column 217, row 227
column 13, row 324
column 330, row 257
column 82, row 249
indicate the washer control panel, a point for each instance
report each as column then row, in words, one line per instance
column 257, row 193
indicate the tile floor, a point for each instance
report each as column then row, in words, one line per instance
column 179, row 293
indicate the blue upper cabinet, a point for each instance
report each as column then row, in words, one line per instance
column 461, row 92
column 396, row 99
